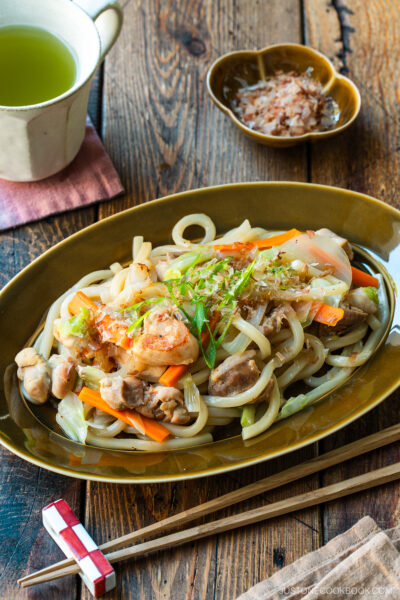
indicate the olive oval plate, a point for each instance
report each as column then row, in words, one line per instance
column 31, row 435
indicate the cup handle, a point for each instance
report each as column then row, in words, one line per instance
column 108, row 17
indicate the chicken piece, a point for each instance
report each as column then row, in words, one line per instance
column 359, row 298
column 63, row 375
column 343, row 243
column 34, row 372
column 165, row 340
column 165, row 404
column 351, row 319
column 156, row 402
column 122, row 392
column 272, row 323
column 235, row 375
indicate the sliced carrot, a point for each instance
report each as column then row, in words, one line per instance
column 328, row 315
column 363, row 279
column 80, row 300
column 151, row 428
column 275, row 240
column 235, row 247
column 155, row 430
column 174, row 373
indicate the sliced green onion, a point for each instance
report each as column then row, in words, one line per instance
column 210, row 354
column 138, row 321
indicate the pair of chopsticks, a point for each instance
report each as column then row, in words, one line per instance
column 313, row 498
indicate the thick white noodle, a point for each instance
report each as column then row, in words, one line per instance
column 144, row 253
column 268, row 417
column 284, row 334
column 238, row 234
column 110, row 431
column 374, row 338
column 199, row 219
column 249, row 334
column 244, row 397
column 46, row 342
column 118, row 283
column 336, row 342
column 186, row 431
column 292, row 372
column 373, row 322
column 201, row 376
column 359, row 358
column 160, row 252
column 317, row 381
column 149, row 446
column 319, row 356
column 291, row 348
column 318, row 392
column 116, row 267
column 136, row 245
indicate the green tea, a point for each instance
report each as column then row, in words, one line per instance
column 35, row 66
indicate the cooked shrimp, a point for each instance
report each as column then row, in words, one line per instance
column 165, row 340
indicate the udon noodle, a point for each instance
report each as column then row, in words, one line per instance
column 189, row 337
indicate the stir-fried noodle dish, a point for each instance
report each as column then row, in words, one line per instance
column 187, row 338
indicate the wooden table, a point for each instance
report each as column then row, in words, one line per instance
column 164, row 135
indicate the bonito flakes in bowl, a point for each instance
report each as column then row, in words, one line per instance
column 286, row 104
column 284, row 94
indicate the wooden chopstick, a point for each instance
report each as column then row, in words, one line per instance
column 376, row 440
column 325, row 494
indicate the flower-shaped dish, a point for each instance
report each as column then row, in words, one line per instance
column 235, row 70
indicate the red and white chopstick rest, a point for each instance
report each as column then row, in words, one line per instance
column 73, row 539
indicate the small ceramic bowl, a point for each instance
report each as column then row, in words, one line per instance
column 237, row 69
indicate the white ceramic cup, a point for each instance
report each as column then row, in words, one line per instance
column 39, row 140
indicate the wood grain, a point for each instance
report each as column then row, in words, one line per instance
column 363, row 41
column 164, row 135
column 161, row 129
column 334, row 457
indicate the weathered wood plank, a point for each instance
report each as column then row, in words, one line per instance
column 164, row 135
column 362, row 41
column 161, row 129
column 25, row 546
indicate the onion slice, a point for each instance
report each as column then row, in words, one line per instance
column 321, row 252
